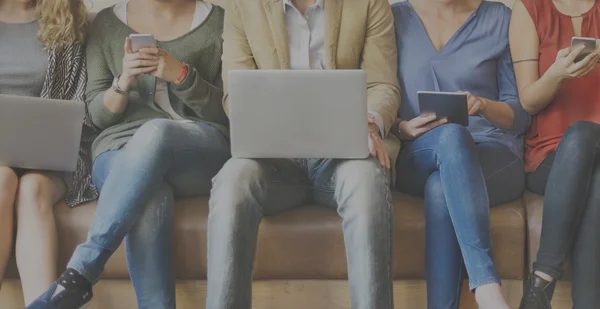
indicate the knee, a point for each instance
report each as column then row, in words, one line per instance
column 152, row 137
column 236, row 186
column 9, row 181
column 36, row 194
column 363, row 187
column 157, row 217
column 454, row 137
column 580, row 135
column 435, row 199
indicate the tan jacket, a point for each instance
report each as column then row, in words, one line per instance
column 359, row 34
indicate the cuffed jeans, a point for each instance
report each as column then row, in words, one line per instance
column 459, row 180
column 164, row 159
column 246, row 190
column 570, row 178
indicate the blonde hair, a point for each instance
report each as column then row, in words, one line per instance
column 62, row 22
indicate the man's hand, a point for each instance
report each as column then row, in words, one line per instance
column 376, row 144
column 414, row 128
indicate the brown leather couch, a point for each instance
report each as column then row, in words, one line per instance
column 300, row 260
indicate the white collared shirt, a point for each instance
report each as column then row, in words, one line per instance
column 306, row 36
column 306, row 40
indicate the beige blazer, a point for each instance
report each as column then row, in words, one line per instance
column 359, row 34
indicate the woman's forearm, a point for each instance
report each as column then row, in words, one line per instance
column 539, row 94
column 116, row 102
column 499, row 114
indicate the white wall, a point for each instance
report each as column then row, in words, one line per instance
column 97, row 5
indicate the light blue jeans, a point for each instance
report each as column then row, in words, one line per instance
column 246, row 190
column 460, row 180
column 164, row 159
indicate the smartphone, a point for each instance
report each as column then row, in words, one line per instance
column 589, row 43
column 139, row 41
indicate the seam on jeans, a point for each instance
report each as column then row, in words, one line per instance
column 269, row 186
column 414, row 153
column 82, row 271
column 503, row 168
column 323, row 189
column 284, row 183
column 475, row 285
column 390, row 230
column 460, row 277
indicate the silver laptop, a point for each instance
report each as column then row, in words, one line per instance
column 39, row 133
column 298, row 114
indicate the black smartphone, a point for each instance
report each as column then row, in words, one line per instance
column 590, row 45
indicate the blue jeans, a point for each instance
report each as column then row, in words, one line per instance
column 460, row 180
column 246, row 190
column 163, row 160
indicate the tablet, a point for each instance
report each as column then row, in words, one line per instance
column 450, row 105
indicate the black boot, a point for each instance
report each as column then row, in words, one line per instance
column 539, row 294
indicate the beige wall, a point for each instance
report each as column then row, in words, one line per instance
column 97, row 5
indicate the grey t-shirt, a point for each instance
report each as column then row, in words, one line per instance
column 23, row 60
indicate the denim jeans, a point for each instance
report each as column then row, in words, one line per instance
column 570, row 178
column 164, row 159
column 460, row 180
column 246, row 190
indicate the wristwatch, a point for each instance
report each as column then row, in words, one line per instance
column 117, row 89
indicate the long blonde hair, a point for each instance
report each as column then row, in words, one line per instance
column 62, row 22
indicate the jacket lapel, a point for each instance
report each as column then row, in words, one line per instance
column 276, row 19
column 333, row 19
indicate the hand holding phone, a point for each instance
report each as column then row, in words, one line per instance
column 590, row 45
column 139, row 41
column 566, row 67
column 135, row 63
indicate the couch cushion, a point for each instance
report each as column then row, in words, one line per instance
column 534, row 207
column 305, row 243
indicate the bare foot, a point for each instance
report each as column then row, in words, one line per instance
column 490, row 296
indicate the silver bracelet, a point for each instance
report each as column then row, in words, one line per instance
column 117, row 89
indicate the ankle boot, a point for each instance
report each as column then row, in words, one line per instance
column 539, row 294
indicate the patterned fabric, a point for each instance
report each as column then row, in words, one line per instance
column 66, row 80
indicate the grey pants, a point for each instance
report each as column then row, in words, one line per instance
column 246, row 190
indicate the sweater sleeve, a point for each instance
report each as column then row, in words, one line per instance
column 203, row 97
column 100, row 78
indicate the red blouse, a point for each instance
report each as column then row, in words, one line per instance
column 577, row 99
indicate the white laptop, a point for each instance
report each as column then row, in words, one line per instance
column 39, row 133
column 298, row 114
